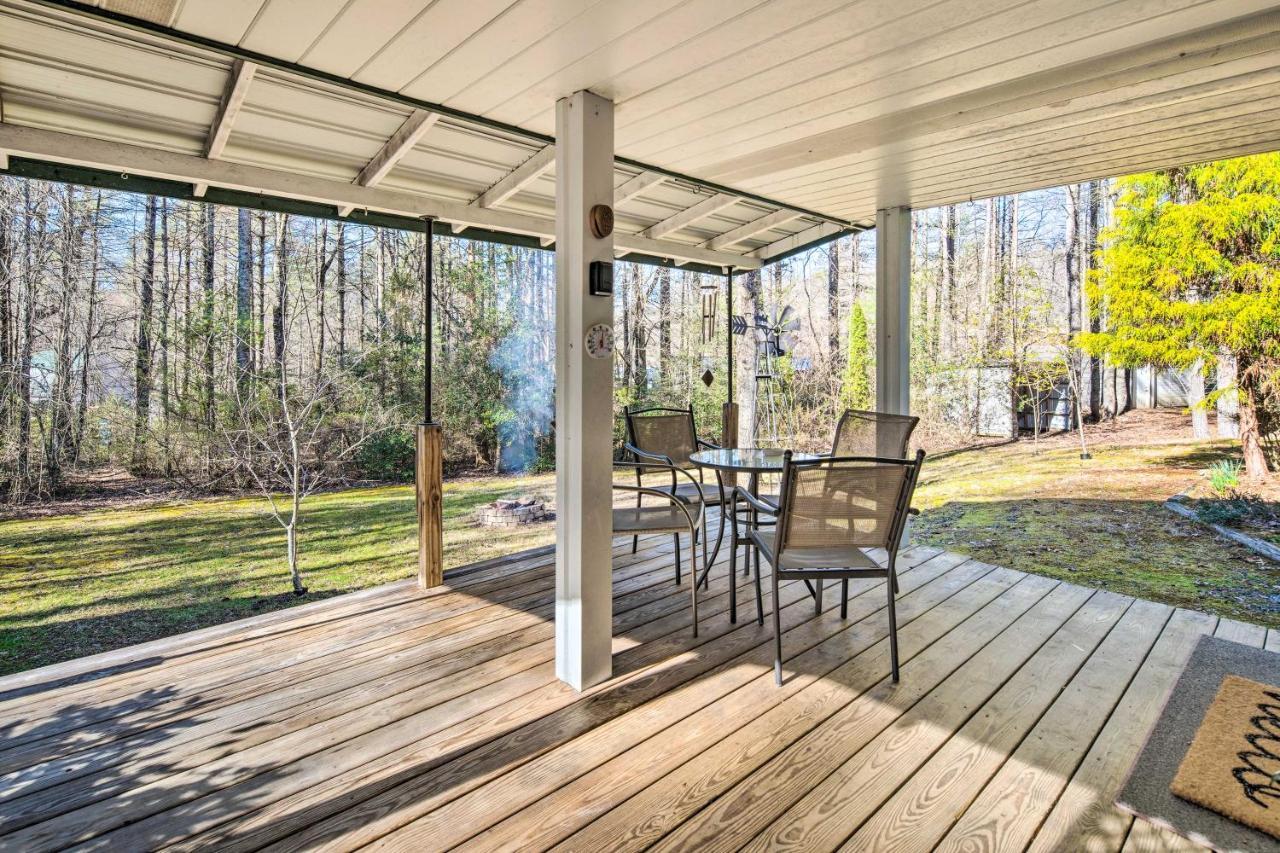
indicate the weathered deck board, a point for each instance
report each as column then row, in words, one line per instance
column 411, row 720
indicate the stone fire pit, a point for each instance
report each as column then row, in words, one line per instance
column 513, row 512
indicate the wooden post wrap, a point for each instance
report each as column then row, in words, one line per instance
column 430, row 494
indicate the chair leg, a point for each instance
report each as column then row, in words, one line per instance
column 817, row 597
column 693, row 575
column 732, row 575
column 759, row 598
column 777, row 628
column 707, row 566
column 893, row 633
column 844, row 598
column 635, row 543
column 893, row 575
column 676, row 539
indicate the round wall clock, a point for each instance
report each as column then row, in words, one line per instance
column 599, row 341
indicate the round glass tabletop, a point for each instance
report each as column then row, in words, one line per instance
column 746, row 459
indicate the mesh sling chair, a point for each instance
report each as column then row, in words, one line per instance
column 831, row 510
column 862, row 433
column 670, row 436
column 672, row 516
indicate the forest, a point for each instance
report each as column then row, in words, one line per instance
column 224, row 349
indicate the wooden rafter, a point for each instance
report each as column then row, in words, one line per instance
column 795, row 241
column 232, row 100
column 690, row 215
column 393, row 151
column 518, row 178
column 233, row 95
column 636, row 186
column 751, row 229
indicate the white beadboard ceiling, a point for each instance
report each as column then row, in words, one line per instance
column 835, row 107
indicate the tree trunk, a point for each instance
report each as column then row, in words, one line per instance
column 244, row 293
column 142, row 352
column 7, row 350
column 58, row 435
column 946, row 329
column 1255, row 461
column 282, row 293
column 341, row 251
column 207, row 303
column 750, row 406
column 1075, row 294
column 22, row 468
column 664, row 322
column 1228, row 397
column 166, row 297
column 260, row 331
column 90, row 332
column 1094, row 315
column 1195, row 398
column 833, row 302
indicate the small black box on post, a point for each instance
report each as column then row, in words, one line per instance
column 600, row 278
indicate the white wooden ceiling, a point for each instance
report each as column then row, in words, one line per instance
column 835, row 107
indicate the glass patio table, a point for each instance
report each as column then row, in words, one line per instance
column 752, row 461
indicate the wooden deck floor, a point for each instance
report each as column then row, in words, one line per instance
column 407, row 721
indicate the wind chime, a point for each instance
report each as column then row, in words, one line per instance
column 710, row 299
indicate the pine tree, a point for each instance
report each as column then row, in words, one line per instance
column 855, row 390
column 1191, row 269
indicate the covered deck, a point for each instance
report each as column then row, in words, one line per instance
column 420, row 721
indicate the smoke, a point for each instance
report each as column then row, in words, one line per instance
column 525, row 361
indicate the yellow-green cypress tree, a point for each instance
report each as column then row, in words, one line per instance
column 1191, row 268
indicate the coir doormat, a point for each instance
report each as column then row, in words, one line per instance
column 1236, row 752
column 1149, row 793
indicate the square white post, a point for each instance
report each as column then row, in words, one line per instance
column 584, row 397
column 893, row 310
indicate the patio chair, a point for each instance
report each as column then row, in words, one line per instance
column 830, row 511
column 673, row 515
column 659, row 434
column 862, row 433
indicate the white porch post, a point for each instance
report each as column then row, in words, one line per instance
column 893, row 314
column 584, row 397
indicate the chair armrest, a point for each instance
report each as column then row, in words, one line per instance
column 666, row 496
column 644, row 454
column 646, row 467
column 759, row 504
column 709, row 445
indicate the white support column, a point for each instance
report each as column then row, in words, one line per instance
column 584, row 397
column 893, row 310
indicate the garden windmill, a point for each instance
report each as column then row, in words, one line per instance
column 772, row 334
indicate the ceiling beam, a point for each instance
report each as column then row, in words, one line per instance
column 751, row 229
column 57, row 147
column 393, row 150
column 801, row 238
column 233, row 95
column 636, row 186
column 518, row 178
column 690, row 215
column 232, row 99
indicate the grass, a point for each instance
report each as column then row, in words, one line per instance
column 74, row 585
column 1099, row 522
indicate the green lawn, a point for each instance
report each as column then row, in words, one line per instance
column 79, row 584
column 1098, row 522
column 76, row 585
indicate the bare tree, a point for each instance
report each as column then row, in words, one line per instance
column 292, row 438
